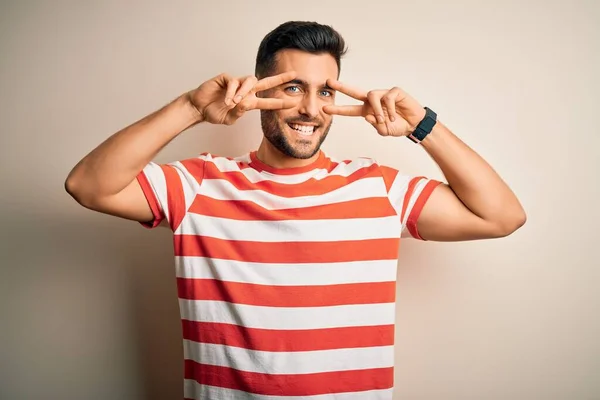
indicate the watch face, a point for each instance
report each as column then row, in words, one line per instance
column 428, row 122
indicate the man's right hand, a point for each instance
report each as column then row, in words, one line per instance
column 223, row 99
column 105, row 179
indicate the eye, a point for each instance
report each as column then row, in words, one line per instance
column 326, row 93
column 291, row 89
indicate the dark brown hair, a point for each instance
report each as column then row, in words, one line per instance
column 311, row 37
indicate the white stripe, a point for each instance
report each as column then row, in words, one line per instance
column 244, row 158
column 188, row 182
column 320, row 230
column 158, row 183
column 254, row 176
column 411, row 203
column 195, row 390
column 285, row 318
column 397, row 193
column 220, row 189
column 293, row 362
column 286, row 274
column 342, row 169
column 398, row 190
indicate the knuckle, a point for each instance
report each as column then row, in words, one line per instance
column 249, row 80
column 243, row 107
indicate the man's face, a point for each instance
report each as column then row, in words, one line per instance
column 299, row 132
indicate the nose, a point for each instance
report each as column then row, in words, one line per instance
column 309, row 106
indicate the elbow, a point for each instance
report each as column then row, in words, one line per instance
column 512, row 223
column 72, row 188
column 75, row 190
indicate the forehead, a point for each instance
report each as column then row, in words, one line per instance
column 312, row 68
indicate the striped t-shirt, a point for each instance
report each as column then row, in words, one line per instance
column 286, row 277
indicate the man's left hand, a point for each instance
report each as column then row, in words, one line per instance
column 392, row 112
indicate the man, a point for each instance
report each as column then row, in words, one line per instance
column 286, row 258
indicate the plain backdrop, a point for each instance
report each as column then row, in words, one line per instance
column 88, row 306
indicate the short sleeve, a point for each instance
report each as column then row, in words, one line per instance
column 170, row 189
column 408, row 195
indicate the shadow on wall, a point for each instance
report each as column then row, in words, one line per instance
column 155, row 313
column 93, row 309
column 90, row 299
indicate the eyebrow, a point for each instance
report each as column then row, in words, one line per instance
column 304, row 83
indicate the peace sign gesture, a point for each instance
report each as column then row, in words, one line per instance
column 392, row 112
column 224, row 99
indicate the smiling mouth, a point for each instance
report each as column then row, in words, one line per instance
column 304, row 130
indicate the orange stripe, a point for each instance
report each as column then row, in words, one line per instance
column 290, row 384
column 374, row 207
column 389, row 174
column 409, row 192
column 418, row 207
column 286, row 296
column 309, row 187
column 152, row 201
column 288, row 340
column 286, row 252
column 195, row 166
column 175, row 196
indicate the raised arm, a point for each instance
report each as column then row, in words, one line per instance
column 475, row 203
column 105, row 179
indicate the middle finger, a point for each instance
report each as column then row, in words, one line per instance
column 246, row 86
column 374, row 98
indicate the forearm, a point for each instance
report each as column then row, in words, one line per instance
column 472, row 179
column 115, row 163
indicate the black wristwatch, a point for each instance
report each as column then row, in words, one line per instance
column 425, row 126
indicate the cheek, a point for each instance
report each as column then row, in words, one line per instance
column 326, row 117
column 282, row 115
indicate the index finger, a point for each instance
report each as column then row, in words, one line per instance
column 273, row 81
column 347, row 90
column 274, row 104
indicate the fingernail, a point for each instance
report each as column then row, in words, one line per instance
column 238, row 98
column 392, row 118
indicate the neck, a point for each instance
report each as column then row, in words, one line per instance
column 270, row 155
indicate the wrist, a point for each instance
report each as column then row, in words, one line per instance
column 433, row 138
column 419, row 116
column 424, row 126
column 190, row 109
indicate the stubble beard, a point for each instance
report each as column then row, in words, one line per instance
column 273, row 131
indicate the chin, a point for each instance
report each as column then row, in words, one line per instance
column 296, row 138
column 299, row 145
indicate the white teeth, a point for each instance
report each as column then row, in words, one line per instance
column 303, row 129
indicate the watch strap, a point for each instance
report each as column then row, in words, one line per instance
column 424, row 127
